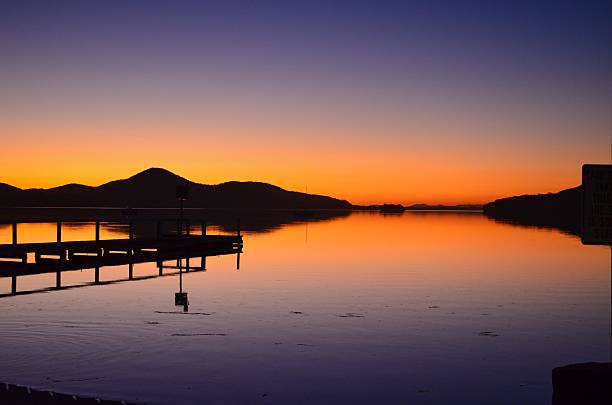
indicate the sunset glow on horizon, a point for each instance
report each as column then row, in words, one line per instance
column 401, row 103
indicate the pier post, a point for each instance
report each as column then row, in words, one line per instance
column 160, row 265
column 187, row 226
column 14, row 233
column 238, row 260
column 203, row 263
column 187, row 264
column 97, row 275
column 97, row 231
column 58, row 279
column 59, row 231
column 203, row 228
column 130, row 271
column 14, row 285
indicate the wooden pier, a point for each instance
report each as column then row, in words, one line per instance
column 21, row 259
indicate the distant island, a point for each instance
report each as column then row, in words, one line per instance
column 559, row 210
column 419, row 207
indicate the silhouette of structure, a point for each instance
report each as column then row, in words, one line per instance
column 57, row 257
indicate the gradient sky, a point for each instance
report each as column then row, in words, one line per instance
column 436, row 102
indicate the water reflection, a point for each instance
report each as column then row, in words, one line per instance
column 419, row 308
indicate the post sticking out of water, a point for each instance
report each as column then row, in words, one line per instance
column 14, row 233
column 14, row 285
column 97, row 230
column 58, row 279
column 97, row 275
column 59, row 231
column 130, row 271
column 238, row 260
column 203, row 228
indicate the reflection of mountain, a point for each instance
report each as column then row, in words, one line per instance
column 156, row 188
column 145, row 219
column 557, row 210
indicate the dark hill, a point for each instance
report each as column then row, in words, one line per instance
column 559, row 210
column 155, row 188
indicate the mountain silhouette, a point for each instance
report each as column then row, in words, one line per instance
column 155, row 188
column 557, row 210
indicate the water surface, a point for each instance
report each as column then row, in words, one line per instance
column 427, row 308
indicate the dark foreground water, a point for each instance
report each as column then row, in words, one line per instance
column 416, row 308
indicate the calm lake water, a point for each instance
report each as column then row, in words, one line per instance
column 422, row 308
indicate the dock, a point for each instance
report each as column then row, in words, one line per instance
column 22, row 259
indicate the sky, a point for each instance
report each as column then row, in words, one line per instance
column 406, row 102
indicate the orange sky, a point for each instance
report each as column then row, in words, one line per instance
column 362, row 173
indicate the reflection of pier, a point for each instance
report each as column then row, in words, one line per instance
column 20, row 259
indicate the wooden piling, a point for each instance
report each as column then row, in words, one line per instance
column 59, row 231
column 97, row 230
column 14, row 233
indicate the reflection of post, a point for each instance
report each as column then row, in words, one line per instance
column 203, row 228
column 97, row 275
column 14, row 285
column 14, row 233
column 97, row 230
column 131, row 230
column 187, row 265
column 59, row 231
column 158, row 230
column 180, row 276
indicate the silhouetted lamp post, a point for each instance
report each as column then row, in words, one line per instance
column 182, row 194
